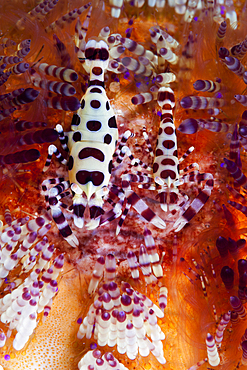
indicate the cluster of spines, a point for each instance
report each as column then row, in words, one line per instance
column 26, row 249
column 213, row 342
column 237, row 51
column 238, row 312
column 67, row 18
column 187, row 10
column 37, row 13
column 224, row 246
column 67, row 101
column 19, row 98
column 228, row 276
column 232, row 60
column 12, row 100
column 234, row 167
column 147, row 60
column 211, row 105
column 94, row 359
column 15, row 60
column 42, row 9
column 147, row 257
column 122, row 316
